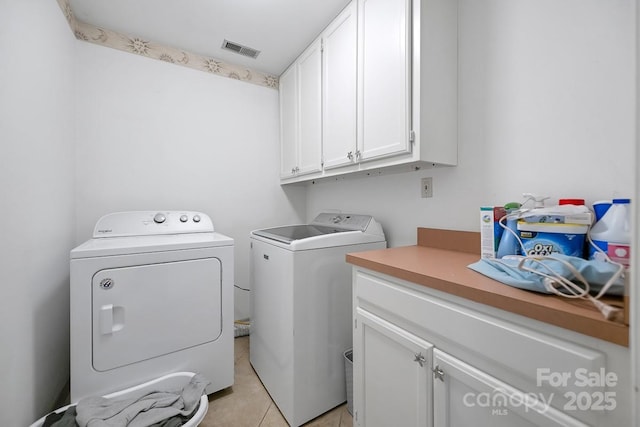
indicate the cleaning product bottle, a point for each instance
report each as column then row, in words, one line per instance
column 600, row 208
column 575, row 202
column 509, row 244
column 612, row 233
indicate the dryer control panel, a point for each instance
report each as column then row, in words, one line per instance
column 148, row 223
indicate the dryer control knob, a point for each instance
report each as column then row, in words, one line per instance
column 159, row 218
column 196, row 218
column 184, row 218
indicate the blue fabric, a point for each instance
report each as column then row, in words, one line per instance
column 505, row 270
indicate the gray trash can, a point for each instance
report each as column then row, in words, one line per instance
column 348, row 374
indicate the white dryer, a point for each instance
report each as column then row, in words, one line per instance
column 301, row 309
column 151, row 294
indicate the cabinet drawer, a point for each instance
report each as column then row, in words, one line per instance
column 515, row 350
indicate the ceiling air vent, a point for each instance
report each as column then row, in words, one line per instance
column 242, row 50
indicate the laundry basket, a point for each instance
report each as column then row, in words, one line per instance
column 171, row 381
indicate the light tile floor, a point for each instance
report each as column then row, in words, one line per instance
column 247, row 403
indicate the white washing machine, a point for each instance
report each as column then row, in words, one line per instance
column 301, row 309
column 151, row 294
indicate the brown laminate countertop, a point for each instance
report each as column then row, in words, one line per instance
column 446, row 270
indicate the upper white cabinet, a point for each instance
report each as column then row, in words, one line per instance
column 288, row 123
column 301, row 115
column 339, row 90
column 310, row 112
column 388, row 90
column 384, row 78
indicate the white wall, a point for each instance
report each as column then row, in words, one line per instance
column 546, row 105
column 155, row 136
column 37, row 204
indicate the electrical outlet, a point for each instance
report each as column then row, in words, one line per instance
column 426, row 187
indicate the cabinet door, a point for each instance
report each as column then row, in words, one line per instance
column 391, row 374
column 339, row 89
column 384, row 84
column 310, row 109
column 465, row 396
column 288, row 122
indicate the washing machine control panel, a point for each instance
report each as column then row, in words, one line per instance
column 343, row 221
column 147, row 223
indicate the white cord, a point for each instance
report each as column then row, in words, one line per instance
column 554, row 280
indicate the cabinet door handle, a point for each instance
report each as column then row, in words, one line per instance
column 420, row 359
column 438, row 373
column 350, row 155
column 358, row 154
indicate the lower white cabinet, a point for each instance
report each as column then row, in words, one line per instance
column 390, row 361
column 422, row 357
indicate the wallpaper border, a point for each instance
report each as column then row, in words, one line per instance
column 149, row 49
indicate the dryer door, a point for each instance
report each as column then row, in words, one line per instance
column 146, row 311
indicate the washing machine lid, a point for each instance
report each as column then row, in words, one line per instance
column 124, row 233
column 326, row 230
column 289, row 233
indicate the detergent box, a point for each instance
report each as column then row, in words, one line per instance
column 490, row 230
column 543, row 238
